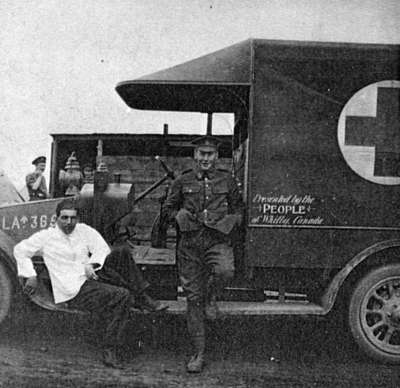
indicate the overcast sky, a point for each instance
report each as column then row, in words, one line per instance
column 60, row 60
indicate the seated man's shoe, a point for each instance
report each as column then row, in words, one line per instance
column 196, row 363
column 128, row 353
column 147, row 303
column 110, row 358
column 211, row 309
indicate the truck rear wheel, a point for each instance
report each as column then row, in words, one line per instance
column 5, row 292
column 374, row 313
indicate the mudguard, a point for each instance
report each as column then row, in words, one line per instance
column 6, row 252
column 330, row 295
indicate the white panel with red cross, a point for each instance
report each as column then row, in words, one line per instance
column 369, row 132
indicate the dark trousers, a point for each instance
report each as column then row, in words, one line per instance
column 205, row 264
column 120, row 270
column 205, row 260
column 112, row 296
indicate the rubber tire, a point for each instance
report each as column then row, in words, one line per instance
column 362, row 288
column 6, row 292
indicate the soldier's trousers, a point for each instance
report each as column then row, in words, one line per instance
column 111, row 297
column 205, row 260
column 205, row 264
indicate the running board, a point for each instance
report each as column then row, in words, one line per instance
column 177, row 307
column 234, row 308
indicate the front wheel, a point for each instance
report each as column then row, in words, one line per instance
column 374, row 313
column 6, row 289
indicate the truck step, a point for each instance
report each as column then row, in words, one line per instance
column 253, row 308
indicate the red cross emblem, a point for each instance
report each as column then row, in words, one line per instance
column 381, row 132
column 369, row 132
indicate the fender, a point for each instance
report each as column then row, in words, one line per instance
column 6, row 252
column 329, row 297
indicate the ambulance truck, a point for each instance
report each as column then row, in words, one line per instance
column 315, row 149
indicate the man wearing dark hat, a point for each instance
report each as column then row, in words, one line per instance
column 36, row 182
column 206, row 205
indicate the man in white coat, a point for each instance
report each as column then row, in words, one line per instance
column 86, row 274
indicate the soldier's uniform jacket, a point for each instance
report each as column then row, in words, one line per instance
column 41, row 192
column 210, row 199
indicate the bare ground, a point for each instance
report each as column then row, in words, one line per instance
column 46, row 349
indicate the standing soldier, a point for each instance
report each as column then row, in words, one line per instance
column 88, row 173
column 36, row 182
column 206, row 205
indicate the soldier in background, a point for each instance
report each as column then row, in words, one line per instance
column 88, row 173
column 206, row 205
column 36, row 182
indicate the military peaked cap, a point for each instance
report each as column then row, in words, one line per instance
column 39, row 159
column 206, row 141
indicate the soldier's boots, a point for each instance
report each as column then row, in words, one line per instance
column 110, row 358
column 195, row 321
column 196, row 363
column 211, row 308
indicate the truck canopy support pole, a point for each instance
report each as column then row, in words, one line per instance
column 209, row 123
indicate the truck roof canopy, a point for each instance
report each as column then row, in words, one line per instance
column 198, row 85
column 194, row 85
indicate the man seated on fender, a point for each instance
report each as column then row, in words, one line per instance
column 86, row 274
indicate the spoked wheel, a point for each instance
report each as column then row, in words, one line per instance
column 374, row 313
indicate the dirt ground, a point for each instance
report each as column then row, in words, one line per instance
column 46, row 349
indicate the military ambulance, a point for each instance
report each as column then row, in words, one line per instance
column 315, row 148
